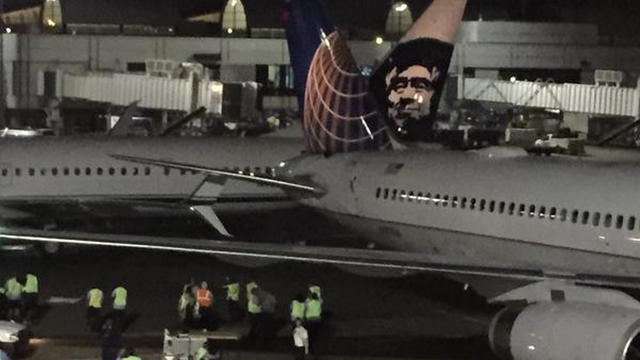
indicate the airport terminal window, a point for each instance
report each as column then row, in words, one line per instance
column 607, row 220
column 76, row 171
column 65, row 171
column 619, row 221
column 32, row 171
column 631, row 223
column 54, row 171
column 596, row 219
column 585, row 217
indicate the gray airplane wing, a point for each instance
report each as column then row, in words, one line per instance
column 404, row 262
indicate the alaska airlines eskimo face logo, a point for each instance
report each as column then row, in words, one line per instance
column 409, row 92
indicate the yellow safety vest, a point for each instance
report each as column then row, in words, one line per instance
column 297, row 310
column 250, row 286
column 132, row 357
column 233, row 291
column 120, row 299
column 315, row 289
column 201, row 354
column 253, row 307
column 31, row 285
column 14, row 289
column 314, row 310
column 95, row 298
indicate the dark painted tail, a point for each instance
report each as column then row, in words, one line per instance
column 339, row 113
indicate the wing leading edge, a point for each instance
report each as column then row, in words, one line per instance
column 363, row 258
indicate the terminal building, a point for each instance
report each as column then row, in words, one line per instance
column 243, row 40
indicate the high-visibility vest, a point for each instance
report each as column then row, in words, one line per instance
column 315, row 289
column 14, row 289
column 253, row 307
column 204, row 297
column 31, row 285
column 201, row 354
column 95, row 298
column 250, row 286
column 132, row 357
column 297, row 310
column 314, row 310
column 233, row 292
column 120, row 298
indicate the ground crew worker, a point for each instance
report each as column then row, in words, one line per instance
column 130, row 354
column 315, row 289
column 233, row 299
column 297, row 308
column 119, row 296
column 94, row 307
column 14, row 297
column 186, row 306
column 254, row 308
column 300, row 340
column 313, row 317
column 205, row 302
column 30, row 298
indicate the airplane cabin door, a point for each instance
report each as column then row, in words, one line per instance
column 6, row 175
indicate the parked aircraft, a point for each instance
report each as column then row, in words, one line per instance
column 559, row 237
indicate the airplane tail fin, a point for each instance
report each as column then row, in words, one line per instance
column 339, row 113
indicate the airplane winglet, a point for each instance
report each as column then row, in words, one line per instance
column 284, row 184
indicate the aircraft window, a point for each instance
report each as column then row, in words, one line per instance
column 5, row 172
column 236, row 169
column 619, row 221
column 135, row 171
column 463, row 203
column 147, row 170
column 542, row 212
column 483, row 202
column 65, row 171
column 472, row 204
column 419, row 197
column 378, row 191
column 247, row 170
column 54, row 171
column 112, row 171
column 532, row 210
column 403, row 195
column 167, row 171
column 454, row 202
column 585, row 217
column 631, row 223
column 411, row 196
column 436, row 199
column 394, row 193
column 18, row 172
column 501, row 207
column 43, row 171
column 574, row 216
column 99, row 171
column 563, row 215
column 512, row 208
column 184, row 172
column 76, row 171
column 552, row 213
column 521, row 210
column 427, row 198
column 386, row 193
column 607, row 220
column 123, row 170
column 445, row 200
column 492, row 206
column 596, row 219
column 32, row 171
column 257, row 170
column 87, row 171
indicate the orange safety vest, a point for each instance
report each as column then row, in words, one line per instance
column 204, row 297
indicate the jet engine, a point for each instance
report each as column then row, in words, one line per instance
column 567, row 330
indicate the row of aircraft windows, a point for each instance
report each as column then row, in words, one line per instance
column 135, row 171
column 583, row 217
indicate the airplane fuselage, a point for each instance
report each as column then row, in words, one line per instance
column 497, row 206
